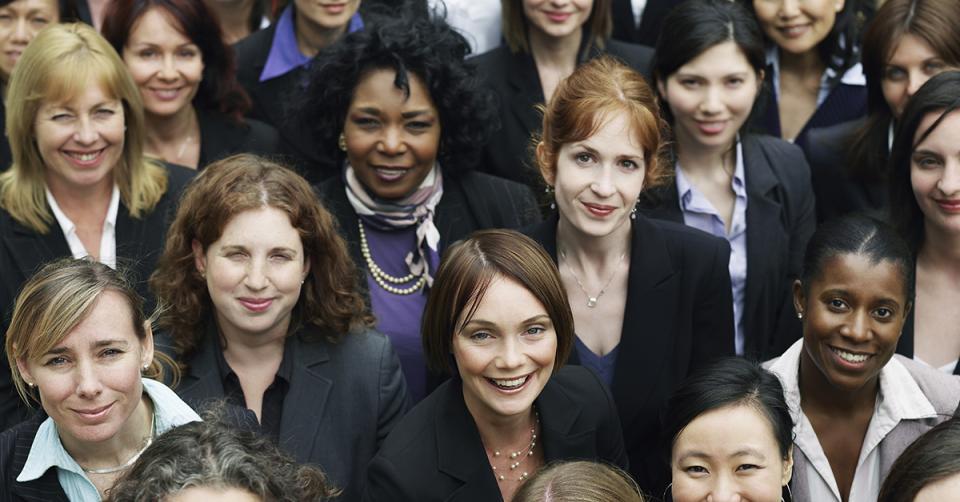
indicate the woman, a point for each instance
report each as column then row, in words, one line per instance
column 855, row 404
column 79, row 184
column 546, row 41
column 752, row 190
column 579, row 481
column 80, row 344
column 928, row 470
column 813, row 63
column 925, row 201
column 263, row 311
column 213, row 461
column 404, row 118
column 728, row 435
column 908, row 42
column 186, row 75
column 499, row 314
column 651, row 298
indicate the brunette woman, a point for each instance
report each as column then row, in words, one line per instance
column 929, row 469
column 186, row 75
column 651, row 298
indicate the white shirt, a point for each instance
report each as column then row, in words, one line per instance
column 108, row 238
column 899, row 398
column 637, row 6
column 477, row 20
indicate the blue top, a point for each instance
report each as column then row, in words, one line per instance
column 285, row 54
column 699, row 213
column 601, row 365
column 48, row 452
column 399, row 316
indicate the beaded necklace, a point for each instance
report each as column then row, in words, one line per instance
column 383, row 279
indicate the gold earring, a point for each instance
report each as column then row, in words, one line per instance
column 342, row 142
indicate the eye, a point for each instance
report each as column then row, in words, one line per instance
column 40, row 21
column 747, row 467
column 365, row 122
column 147, row 53
column 735, row 82
column 583, row 158
column 5, row 17
column 56, row 361
column 106, row 112
column 883, row 313
column 696, row 470
column 480, row 336
column 689, row 82
column 61, row 117
column 933, row 67
column 837, row 304
column 419, row 125
column 926, row 161
column 629, row 164
column 186, row 53
column 111, row 352
column 281, row 257
column 535, row 330
column 894, row 73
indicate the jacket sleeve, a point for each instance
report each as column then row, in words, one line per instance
column 394, row 402
column 610, row 443
column 713, row 329
column 383, row 483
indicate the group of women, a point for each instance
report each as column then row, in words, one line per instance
column 670, row 233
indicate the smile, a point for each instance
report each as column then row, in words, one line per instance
column 256, row 304
column 94, row 414
column 794, row 31
column 712, row 127
column 510, row 384
column 598, row 210
column 558, row 17
column 850, row 357
column 84, row 159
column 334, row 8
column 949, row 205
column 390, row 173
column 166, row 94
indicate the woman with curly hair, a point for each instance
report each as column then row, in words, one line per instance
column 262, row 309
column 404, row 118
column 187, row 77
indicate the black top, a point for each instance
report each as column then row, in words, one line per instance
column 221, row 137
column 6, row 158
column 651, row 20
column 677, row 318
column 14, row 448
column 905, row 345
column 23, row 251
column 435, row 452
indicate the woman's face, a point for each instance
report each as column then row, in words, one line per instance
column 711, row 97
column 853, row 313
column 254, row 273
column 207, row 494
column 911, row 63
column 506, row 353
column 598, row 180
column 326, row 15
column 80, row 140
column 939, row 490
column 557, row 18
column 20, row 21
column 729, row 453
column 935, row 174
column 89, row 383
column 797, row 26
column 165, row 64
column 392, row 139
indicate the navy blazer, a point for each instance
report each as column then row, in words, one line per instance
column 221, row 137
column 514, row 78
column 24, row 251
column 780, row 221
column 435, row 452
column 343, row 400
column 678, row 317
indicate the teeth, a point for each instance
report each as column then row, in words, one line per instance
column 510, row 384
column 85, row 157
column 850, row 357
column 391, row 172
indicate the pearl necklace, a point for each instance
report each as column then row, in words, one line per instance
column 382, row 278
column 521, row 454
column 131, row 460
column 592, row 300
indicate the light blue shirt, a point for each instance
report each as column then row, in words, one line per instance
column 47, row 451
column 699, row 213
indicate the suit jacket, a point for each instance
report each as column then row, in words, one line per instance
column 838, row 193
column 221, row 137
column 780, row 221
column 435, row 453
column 24, row 251
column 6, row 157
column 514, row 78
column 651, row 20
column 14, row 447
column 343, row 400
column 905, row 344
column 678, row 316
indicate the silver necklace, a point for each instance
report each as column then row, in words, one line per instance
column 592, row 300
column 131, row 460
column 517, row 457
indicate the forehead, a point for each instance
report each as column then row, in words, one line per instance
column 721, row 59
column 376, row 88
column 261, row 226
column 859, row 274
column 157, row 25
column 945, row 137
column 615, row 133
column 724, row 431
column 48, row 6
column 506, row 302
column 910, row 49
column 110, row 317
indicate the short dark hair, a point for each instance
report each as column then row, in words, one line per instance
column 932, row 457
column 425, row 47
column 466, row 271
column 219, row 89
column 940, row 94
column 862, row 235
column 731, row 381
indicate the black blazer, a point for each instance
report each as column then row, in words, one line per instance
column 905, row 344
column 514, row 78
column 6, row 157
column 836, row 191
column 678, row 316
column 343, row 400
column 24, row 251
column 221, row 137
column 14, row 447
column 651, row 21
column 780, row 221
column 435, row 453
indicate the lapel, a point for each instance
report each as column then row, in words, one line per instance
column 45, row 489
column 460, row 452
column 528, row 92
column 131, row 235
column 202, row 381
column 306, row 400
column 30, row 250
column 214, row 134
column 561, row 438
column 454, row 216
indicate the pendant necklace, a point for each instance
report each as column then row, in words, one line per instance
column 592, row 300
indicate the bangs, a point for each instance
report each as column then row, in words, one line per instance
column 73, row 75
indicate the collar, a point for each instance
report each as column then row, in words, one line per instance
column 853, row 76
column 284, row 372
column 47, row 450
column 285, row 55
column 685, row 189
column 69, row 227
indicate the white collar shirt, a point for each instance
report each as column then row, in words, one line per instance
column 108, row 237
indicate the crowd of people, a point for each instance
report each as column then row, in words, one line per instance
column 688, row 250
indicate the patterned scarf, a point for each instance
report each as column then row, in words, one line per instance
column 415, row 209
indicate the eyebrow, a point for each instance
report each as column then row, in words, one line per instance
column 238, row 247
column 96, row 345
column 743, row 452
column 535, row 319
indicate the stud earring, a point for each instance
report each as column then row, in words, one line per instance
column 31, row 384
column 633, row 212
column 799, row 315
column 553, row 200
column 342, row 142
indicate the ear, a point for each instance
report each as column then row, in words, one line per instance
column 306, row 268
column 25, row 371
column 662, row 88
column 199, row 257
column 787, row 468
column 550, row 176
column 146, row 345
column 839, row 5
column 761, row 74
column 798, row 298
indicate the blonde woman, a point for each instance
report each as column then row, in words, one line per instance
column 79, row 184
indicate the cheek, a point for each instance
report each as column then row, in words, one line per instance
column 471, row 361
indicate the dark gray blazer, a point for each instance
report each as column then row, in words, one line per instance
column 344, row 398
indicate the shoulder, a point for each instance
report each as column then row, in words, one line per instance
column 636, row 55
column 680, row 237
column 252, row 51
column 359, row 347
column 579, row 383
column 178, row 177
column 834, row 135
column 942, row 389
column 474, row 180
column 15, row 444
column 495, row 59
column 414, row 436
column 785, row 160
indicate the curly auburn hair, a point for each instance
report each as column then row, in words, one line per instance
column 329, row 298
column 427, row 48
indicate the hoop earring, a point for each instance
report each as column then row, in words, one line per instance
column 789, row 492
column 665, row 490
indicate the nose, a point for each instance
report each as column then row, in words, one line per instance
column 88, row 382
column 603, row 184
column 168, row 68
column 914, row 81
column 256, row 276
column 21, row 31
column 724, row 490
column 711, row 104
column 949, row 183
column 510, row 355
column 86, row 133
column 391, row 143
column 789, row 8
column 857, row 327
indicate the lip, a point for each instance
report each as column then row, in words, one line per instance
column 93, row 415
column 256, row 304
column 390, row 174
column 334, row 8
column 794, row 30
column 528, row 376
column 558, row 17
column 84, row 164
column 598, row 210
column 165, row 94
column 712, row 127
column 13, row 54
column 949, row 205
column 844, row 364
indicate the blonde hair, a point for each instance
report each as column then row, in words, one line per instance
column 55, row 300
column 579, row 481
column 61, row 62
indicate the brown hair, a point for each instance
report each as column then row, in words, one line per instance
column 59, row 297
column 329, row 299
column 598, row 26
column 579, row 481
column 587, row 98
column 467, row 270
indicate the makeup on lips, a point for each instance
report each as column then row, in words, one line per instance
column 712, row 127
column 335, row 8
column 558, row 17
column 93, row 415
column 166, row 94
column 84, row 160
column 949, row 205
column 510, row 385
column 256, row 304
column 598, row 210
column 849, row 359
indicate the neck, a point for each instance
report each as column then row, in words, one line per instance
column 555, row 51
column 312, row 38
column 696, row 158
column 118, row 449
column 600, row 252
column 234, row 18
column 806, row 63
column 77, row 202
column 170, row 129
column 503, row 433
column 818, row 393
column 252, row 349
column 940, row 251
